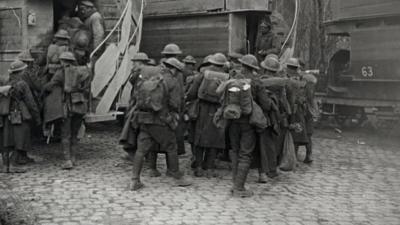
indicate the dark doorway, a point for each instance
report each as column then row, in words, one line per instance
column 63, row 8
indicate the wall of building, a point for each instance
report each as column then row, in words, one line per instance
column 15, row 33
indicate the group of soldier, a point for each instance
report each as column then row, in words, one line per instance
column 240, row 108
column 228, row 107
column 49, row 93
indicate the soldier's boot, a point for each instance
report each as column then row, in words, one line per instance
column 173, row 171
column 7, row 166
column 193, row 163
column 210, row 162
column 199, row 172
column 23, row 158
column 234, row 160
column 262, row 177
column 66, row 148
column 152, row 163
column 238, row 187
column 138, row 162
column 154, row 173
column 296, row 152
column 73, row 148
column 308, row 158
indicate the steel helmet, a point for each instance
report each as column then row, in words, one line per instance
column 189, row 59
column 87, row 3
column 235, row 55
column 270, row 64
column 171, row 49
column 206, row 59
column 152, row 62
column 293, row 62
column 174, row 62
column 25, row 56
column 274, row 56
column 62, row 34
column 68, row 56
column 250, row 61
column 82, row 41
column 218, row 59
column 140, row 56
column 17, row 66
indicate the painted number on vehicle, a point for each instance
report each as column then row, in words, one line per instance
column 367, row 71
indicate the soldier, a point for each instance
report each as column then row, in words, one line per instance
column 234, row 63
column 128, row 135
column 157, row 120
column 60, row 45
column 173, row 51
column 32, row 74
column 189, row 73
column 22, row 110
column 267, row 41
column 75, row 83
column 189, row 70
column 242, row 134
column 170, row 51
column 268, row 138
column 208, row 138
column 297, row 100
column 310, row 109
column 93, row 21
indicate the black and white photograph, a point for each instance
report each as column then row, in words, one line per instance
column 200, row 112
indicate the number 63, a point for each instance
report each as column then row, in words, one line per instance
column 367, row 71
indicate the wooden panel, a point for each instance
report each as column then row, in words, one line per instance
column 40, row 35
column 365, row 8
column 377, row 50
column 247, row 5
column 10, row 29
column 237, row 33
column 112, row 90
column 198, row 36
column 174, row 7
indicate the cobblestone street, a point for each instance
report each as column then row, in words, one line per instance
column 348, row 183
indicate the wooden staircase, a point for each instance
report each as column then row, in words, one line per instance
column 109, row 87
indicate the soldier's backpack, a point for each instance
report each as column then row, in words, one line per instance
column 238, row 99
column 4, row 100
column 151, row 90
column 77, row 79
column 209, row 85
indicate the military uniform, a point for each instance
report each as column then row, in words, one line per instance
column 74, row 82
column 242, row 134
column 208, row 138
column 94, row 23
column 22, row 110
column 158, row 129
column 268, row 43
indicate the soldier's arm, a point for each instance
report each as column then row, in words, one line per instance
column 194, row 87
column 98, row 30
column 175, row 99
column 56, row 80
column 30, row 102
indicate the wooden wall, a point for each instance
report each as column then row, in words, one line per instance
column 37, row 36
column 345, row 9
column 247, row 5
column 174, row 7
column 196, row 35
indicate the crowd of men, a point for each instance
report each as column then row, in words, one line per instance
column 49, row 93
column 245, row 109
column 230, row 107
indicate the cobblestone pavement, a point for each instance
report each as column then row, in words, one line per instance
column 349, row 183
